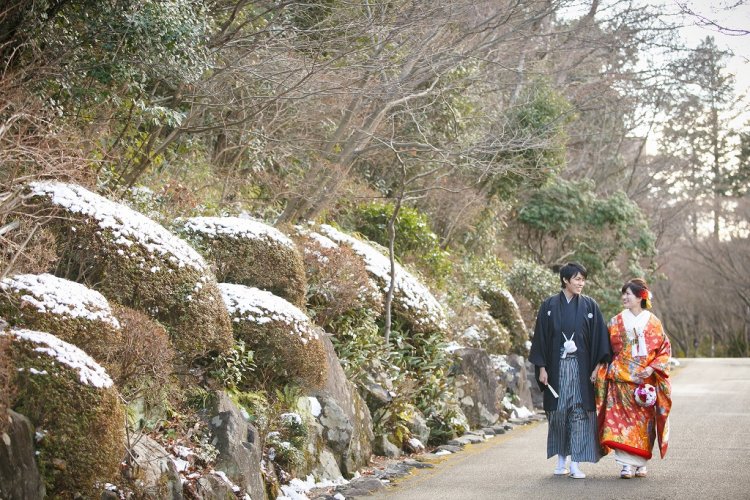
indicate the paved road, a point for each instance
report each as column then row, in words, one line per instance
column 709, row 453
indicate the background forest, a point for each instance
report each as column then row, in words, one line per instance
column 496, row 139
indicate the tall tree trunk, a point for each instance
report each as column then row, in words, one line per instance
column 392, row 257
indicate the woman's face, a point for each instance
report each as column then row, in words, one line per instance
column 629, row 300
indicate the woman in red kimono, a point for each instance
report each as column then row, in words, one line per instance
column 641, row 352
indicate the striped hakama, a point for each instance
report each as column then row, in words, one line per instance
column 572, row 429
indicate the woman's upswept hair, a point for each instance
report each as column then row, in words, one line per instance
column 639, row 287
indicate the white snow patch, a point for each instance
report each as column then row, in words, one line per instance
column 500, row 363
column 443, row 452
column 261, row 307
column 516, row 411
column 297, row 488
column 226, row 479
column 238, row 228
column 89, row 371
column 50, row 294
column 127, row 225
column 315, row 408
column 183, row 451
column 180, row 464
column 416, row 444
column 291, row 418
column 473, row 333
column 452, row 347
column 322, row 241
column 522, row 412
column 414, row 295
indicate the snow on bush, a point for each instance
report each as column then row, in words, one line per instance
column 135, row 261
column 237, row 228
column 89, row 371
column 288, row 348
column 53, row 295
column 473, row 326
column 73, row 312
column 127, row 226
column 412, row 300
column 249, row 252
column 338, row 282
column 504, row 309
column 68, row 396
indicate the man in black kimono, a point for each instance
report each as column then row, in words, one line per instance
column 570, row 341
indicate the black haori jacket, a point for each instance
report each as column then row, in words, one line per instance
column 591, row 339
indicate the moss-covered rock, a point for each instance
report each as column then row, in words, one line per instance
column 504, row 309
column 134, row 261
column 72, row 402
column 250, row 253
column 288, row 348
column 412, row 301
column 76, row 313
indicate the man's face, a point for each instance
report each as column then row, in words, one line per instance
column 575, row 284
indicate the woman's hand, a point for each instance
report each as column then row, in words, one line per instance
column 543, row 375
column 641, row 377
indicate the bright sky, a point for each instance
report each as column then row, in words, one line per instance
column 735, row 19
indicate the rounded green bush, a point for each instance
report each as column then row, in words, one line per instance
column 77, row 314
column 76, row 410
column 504, row 309
column 338, row 283
column 250, row 253
column 134, row 261
column 474, row 326
column 287, row 347
column 414, row 237
column 413, row 302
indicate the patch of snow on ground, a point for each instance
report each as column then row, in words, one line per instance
column 522, row 412
column 414, row 294
column 259, row 306
column 516, row 411
column 127, row 225
column 89, row 371
column 452, row 347
column 237, row 227
column 297, row 488
column 50, row 294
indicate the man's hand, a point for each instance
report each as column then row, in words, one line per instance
column 543, row 375
column 596, row 370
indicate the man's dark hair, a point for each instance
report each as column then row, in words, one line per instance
column 569, row 270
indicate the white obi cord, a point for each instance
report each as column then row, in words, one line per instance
column 569, row 346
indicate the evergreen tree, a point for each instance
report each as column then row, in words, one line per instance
column 698, row 131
